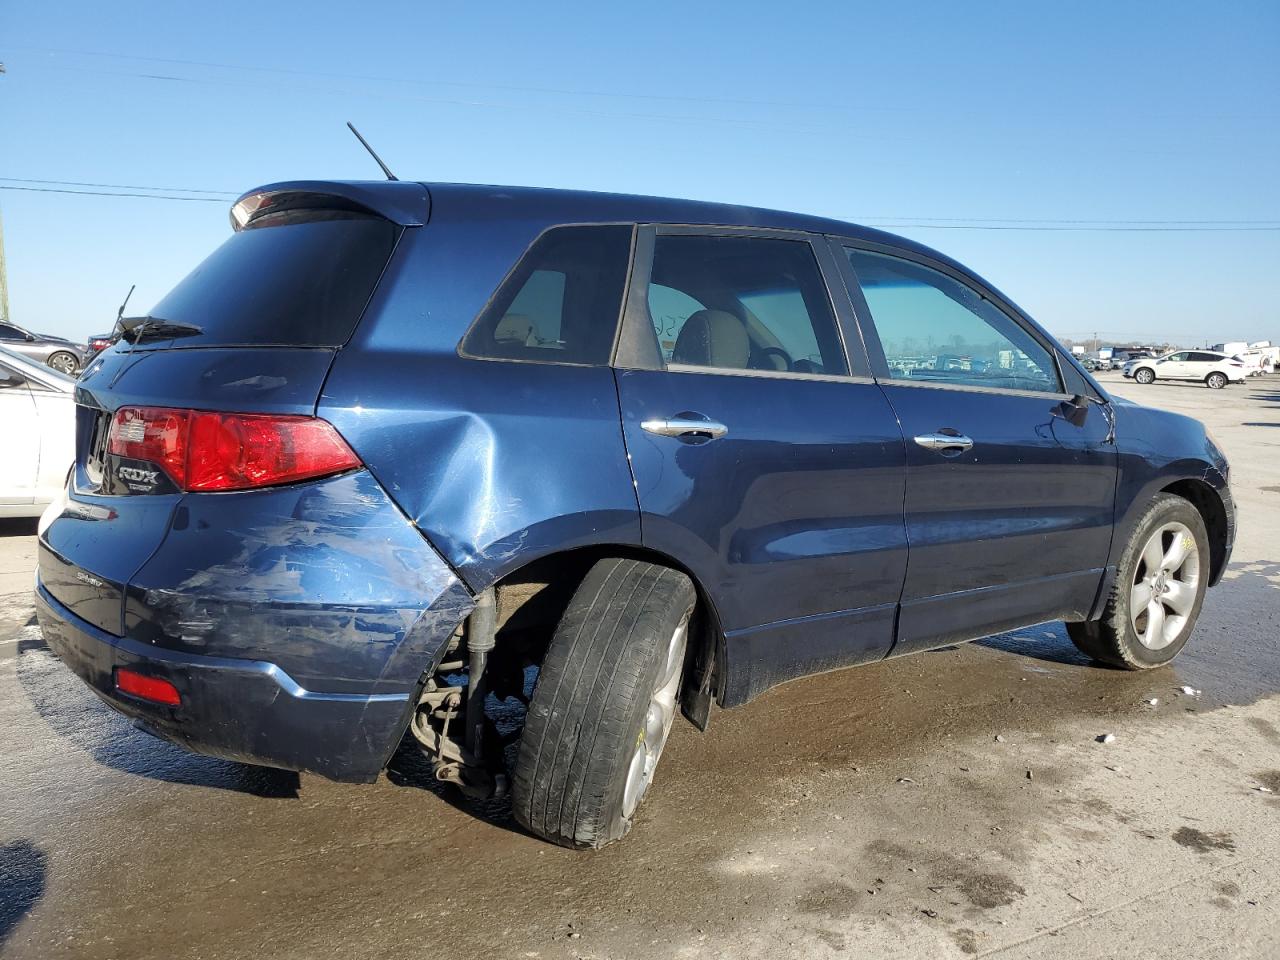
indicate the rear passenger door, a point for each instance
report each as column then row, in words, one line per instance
column 1009, row 502
column 765, row 457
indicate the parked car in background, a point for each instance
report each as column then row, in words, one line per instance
column 99, row 342
column 1214, row 370
column 398, row 448
column 38, row 418
column 61, row 354
column 1121, row 357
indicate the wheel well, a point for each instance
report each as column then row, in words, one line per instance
column 1207, row 502
column 532, row 598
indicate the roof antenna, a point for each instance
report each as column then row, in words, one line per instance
column 365, row 144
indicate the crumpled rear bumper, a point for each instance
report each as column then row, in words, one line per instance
column 250, row 711
column 297, row 623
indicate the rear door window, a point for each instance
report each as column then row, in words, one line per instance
column 299, row 279
column 561, row 302
column 742, row 303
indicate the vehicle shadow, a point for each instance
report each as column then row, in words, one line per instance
column 1225, row 656
column 18, row 526
column 72, row 712
column 1258, row 423
column 23, row 871
column 409, row 767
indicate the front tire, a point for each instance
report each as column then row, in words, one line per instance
column 64, row 362
column 1215, row 381
column 1144, row 375
column 1158, row 590
column 604, row 703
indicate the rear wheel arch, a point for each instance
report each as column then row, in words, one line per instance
column 1209, row 505
column 535, row 594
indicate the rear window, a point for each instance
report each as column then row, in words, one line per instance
column 286, row 281
column 561, row 302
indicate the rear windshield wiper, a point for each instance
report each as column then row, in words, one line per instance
column 138, row 329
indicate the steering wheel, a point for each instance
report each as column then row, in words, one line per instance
column 786, row 357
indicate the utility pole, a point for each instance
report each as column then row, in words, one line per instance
column 4, row 279
column 4, row 273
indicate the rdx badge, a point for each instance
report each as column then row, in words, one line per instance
column 138, row 475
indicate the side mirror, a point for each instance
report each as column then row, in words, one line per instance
column 29, row 337
column 1075, row 411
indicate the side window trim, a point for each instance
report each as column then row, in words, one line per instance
column 871, row 336
column 637, row 347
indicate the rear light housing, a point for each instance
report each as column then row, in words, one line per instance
column 98, row 344
column 147, row 688
column 201, row 450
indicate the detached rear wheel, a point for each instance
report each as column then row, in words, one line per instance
column 1159, row 589
column 604, row 704
column 1144, row 375
column 1215, row 381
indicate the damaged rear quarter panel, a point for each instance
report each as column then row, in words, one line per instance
column 326, row 579
column 499, row 463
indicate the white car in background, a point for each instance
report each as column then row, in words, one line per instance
column 38, row 413
column 1214, row 370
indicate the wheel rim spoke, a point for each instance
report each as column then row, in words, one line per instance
column 1176, row 555
column 1154, row 634
column 1179, row 597
column 1152, row 554
column 1141, row 595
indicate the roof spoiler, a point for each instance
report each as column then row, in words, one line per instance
column 401, row 201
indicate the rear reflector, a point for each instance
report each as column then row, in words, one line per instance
column 147, row 688
column 200, row 450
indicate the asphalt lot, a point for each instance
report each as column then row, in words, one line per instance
column 955, row 803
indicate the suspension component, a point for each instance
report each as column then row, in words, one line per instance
column 450, row 723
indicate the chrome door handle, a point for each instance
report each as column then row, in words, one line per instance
column 680, row 427
column 944, row 441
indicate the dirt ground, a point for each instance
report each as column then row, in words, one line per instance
column 952, row 804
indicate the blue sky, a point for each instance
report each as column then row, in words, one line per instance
column 885, row 113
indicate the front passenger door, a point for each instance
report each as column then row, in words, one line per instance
column 1009, row 502
column 1175, row 367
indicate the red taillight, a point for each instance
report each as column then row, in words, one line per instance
column 96, row 345
column 147, row 688
column 200, row 450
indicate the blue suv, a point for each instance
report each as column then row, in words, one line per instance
column 525, row 472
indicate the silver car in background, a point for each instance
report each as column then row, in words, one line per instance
column 61, row 354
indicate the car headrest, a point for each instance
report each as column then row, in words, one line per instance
column 513, row 328
column 713, row 338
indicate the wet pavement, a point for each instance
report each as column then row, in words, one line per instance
column 955, row 803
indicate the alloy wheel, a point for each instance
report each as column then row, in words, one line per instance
column 657, row 721
column 1165, row 586
column 63, row 363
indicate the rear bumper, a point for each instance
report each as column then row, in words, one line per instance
column 250, row 711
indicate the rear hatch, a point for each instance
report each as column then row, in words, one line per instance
column 252, row 330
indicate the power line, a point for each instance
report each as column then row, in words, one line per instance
column 1068, row 229
column 100, row 193
column 1056, row 220
column 114, row 186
